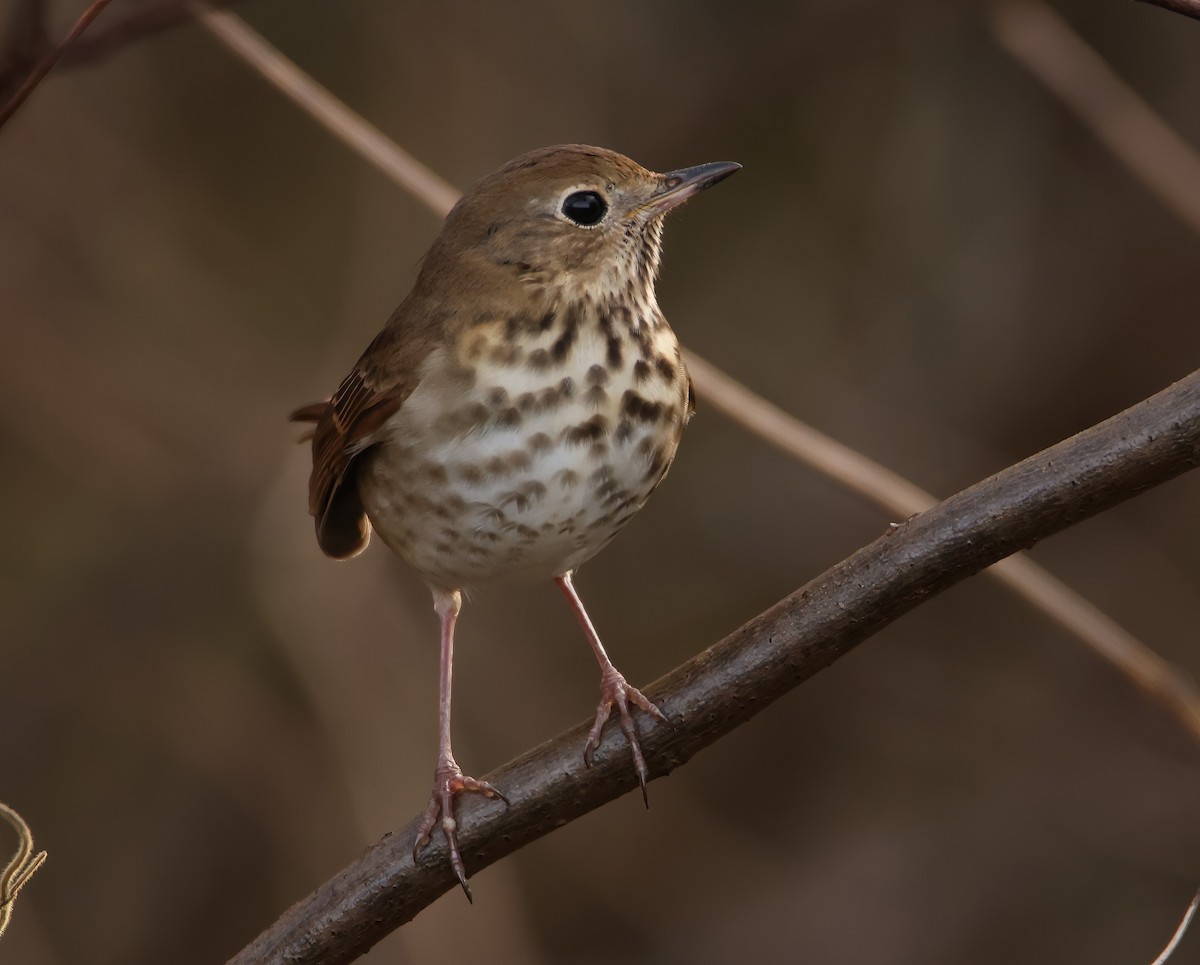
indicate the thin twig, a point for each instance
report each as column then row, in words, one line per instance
column 729, row 683
column 354, row 131
column 29, row 44
column 22, row 866
column 114, row 34
column 25, row 44
column 47, row 63
column 853, row 470
column 1152, row 152
column 1178, row 936
column 1189, row 8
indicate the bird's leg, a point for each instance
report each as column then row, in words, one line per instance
column 615, row 691
column 448, row 778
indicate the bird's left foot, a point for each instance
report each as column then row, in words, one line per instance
column 617, row 693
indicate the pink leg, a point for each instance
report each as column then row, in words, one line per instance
column 448, row 778
column 615, row 691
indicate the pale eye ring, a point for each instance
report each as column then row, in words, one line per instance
column 585, row 208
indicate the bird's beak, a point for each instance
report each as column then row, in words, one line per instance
column 680, row 185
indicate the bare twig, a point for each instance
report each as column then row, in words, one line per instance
column 1179, row 932
column 47, row 63
column 135, row 25
column 1158, row 157
column 853, row 470
column 25, row 43
column 359, row 135
column 28, row 42
column 729, row 683
column 22, row 866
column 1189, row 8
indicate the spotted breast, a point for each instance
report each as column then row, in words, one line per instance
column 525, row 449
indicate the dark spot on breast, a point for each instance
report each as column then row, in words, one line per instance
column 642, row 337
column 540, row 442
column 641, row 371
column 546, row 322
column 498, row 396
column 525, row 496
column 624, row 431
column 469, row 473
column 562, row 344
column 613, row 354
column 589, row 431
column 566, row 388
column 666, row 369
column 595, row 396
column 510, row 418
column 639, row 409
column 539, row 359
column 434, row 473
column 597, row 375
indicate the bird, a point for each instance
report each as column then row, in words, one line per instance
column 517, row 409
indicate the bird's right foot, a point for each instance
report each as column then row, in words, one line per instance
column 448, row 781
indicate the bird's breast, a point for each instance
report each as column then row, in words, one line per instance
column 524, row 449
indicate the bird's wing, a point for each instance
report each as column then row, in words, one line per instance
column 346, row 427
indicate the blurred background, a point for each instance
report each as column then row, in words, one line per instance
column 926, row 256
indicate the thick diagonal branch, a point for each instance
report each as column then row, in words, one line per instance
column 732, row 681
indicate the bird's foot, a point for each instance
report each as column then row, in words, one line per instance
column 616, row 693
column 448, row 781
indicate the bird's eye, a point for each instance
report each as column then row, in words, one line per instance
column 585, row 208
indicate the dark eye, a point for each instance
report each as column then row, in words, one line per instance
column 585, row 208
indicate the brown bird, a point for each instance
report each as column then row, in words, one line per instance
column 518, row 408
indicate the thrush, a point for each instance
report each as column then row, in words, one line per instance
column 517, row 409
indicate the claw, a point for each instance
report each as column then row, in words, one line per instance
column 450, row 781
column 616, row 692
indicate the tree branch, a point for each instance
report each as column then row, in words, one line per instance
column 1189, row 8
column 29, row 45
column 47, row 62
column 729, row 683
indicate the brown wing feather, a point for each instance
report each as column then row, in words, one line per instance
column 346, row 427
column 343, row 433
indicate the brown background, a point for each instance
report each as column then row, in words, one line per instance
column 925, row 256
